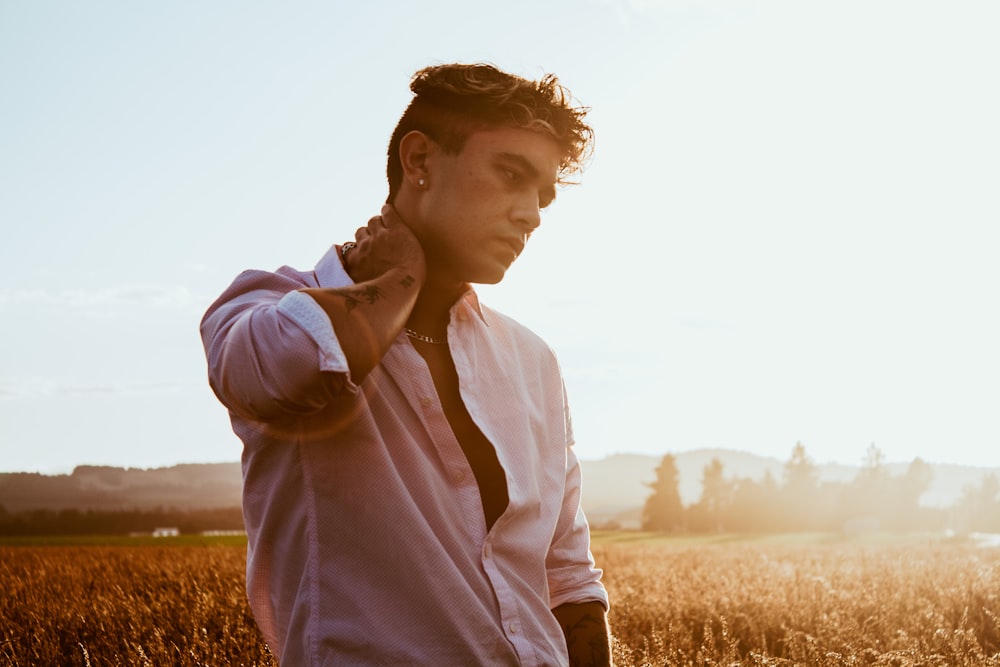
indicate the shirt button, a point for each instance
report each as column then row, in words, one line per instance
column 425, row 401
column 461, row 317
column 513, row 628
column 487, row 551
column 458, row 475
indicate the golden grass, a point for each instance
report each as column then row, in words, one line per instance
column 803, row 604
column 116, row 605
column 674, row 603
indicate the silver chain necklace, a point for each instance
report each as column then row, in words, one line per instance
column 426, row 339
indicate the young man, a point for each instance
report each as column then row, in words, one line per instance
column 410, row 491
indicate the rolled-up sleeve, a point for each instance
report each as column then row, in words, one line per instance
column 572, row 574
column 308, row 314
column 271, row 350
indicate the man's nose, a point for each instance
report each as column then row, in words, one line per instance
column 528, row 215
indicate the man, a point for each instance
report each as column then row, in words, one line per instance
column 410, row 492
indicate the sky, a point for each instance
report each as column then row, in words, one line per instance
column 788, row 231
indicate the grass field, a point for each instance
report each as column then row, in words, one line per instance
column 807, row 600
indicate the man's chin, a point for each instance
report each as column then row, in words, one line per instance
column 487, row 281
column 493, row 277
column 489, row 274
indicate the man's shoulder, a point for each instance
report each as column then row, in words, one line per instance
column 519, row 334
column 288, row 278
column 255, row 284
column 284, row 277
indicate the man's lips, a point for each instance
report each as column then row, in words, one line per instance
column 516, row 244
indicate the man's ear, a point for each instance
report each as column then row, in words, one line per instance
column 414, row 149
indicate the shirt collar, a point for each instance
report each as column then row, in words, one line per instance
column 330, row 272
column 471, row 300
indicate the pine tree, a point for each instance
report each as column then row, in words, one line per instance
column 664, row 511
column 906, row 502
column 716, row 497
column 800, row 494
column 800, row 473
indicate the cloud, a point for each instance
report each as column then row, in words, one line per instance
column 157, row 296
column 15, row 388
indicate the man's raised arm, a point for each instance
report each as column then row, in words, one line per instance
column 387, row 265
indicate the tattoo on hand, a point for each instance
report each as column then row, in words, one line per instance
column 368, row 294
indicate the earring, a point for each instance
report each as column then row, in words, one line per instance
column 421, row 183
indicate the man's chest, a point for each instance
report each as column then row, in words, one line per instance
column 479, row 451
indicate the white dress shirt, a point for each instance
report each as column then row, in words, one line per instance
column 367, row 539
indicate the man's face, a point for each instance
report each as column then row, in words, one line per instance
column 481, row 204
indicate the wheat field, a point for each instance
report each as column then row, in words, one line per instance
column 675, row 602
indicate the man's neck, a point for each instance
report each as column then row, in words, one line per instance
column 431, row 312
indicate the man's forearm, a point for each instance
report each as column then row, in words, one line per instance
column 586, row 629
column 387, row 265
column 367, row 317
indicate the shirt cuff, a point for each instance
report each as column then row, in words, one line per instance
column 304, row 311
column 593, row 593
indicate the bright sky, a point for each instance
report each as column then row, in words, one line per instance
column 789, row 231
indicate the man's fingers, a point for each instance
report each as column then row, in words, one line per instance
column 376, row 224
column 383, row 243
column 389, row 216
column 392, row 218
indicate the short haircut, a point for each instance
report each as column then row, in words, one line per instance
column 450, row 102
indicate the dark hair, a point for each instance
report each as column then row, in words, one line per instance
column 450, row 102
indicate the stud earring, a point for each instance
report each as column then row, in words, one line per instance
column 421, row 183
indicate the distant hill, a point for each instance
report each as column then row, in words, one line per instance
column 614, row 487
column 185, row 486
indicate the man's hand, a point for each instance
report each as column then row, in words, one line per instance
column 586, row 631
column 388, row 268
column 386, row 243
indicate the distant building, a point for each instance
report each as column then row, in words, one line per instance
column 166, row 532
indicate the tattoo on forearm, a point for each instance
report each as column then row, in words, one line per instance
column 368, row 294
column 587, row 641
column 407, row 281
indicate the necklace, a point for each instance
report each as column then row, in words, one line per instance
column 425, row 339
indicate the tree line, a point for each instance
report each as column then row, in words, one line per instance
column 43, row 522
column 874, row 500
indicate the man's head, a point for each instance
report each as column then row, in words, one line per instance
column 452, row 101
